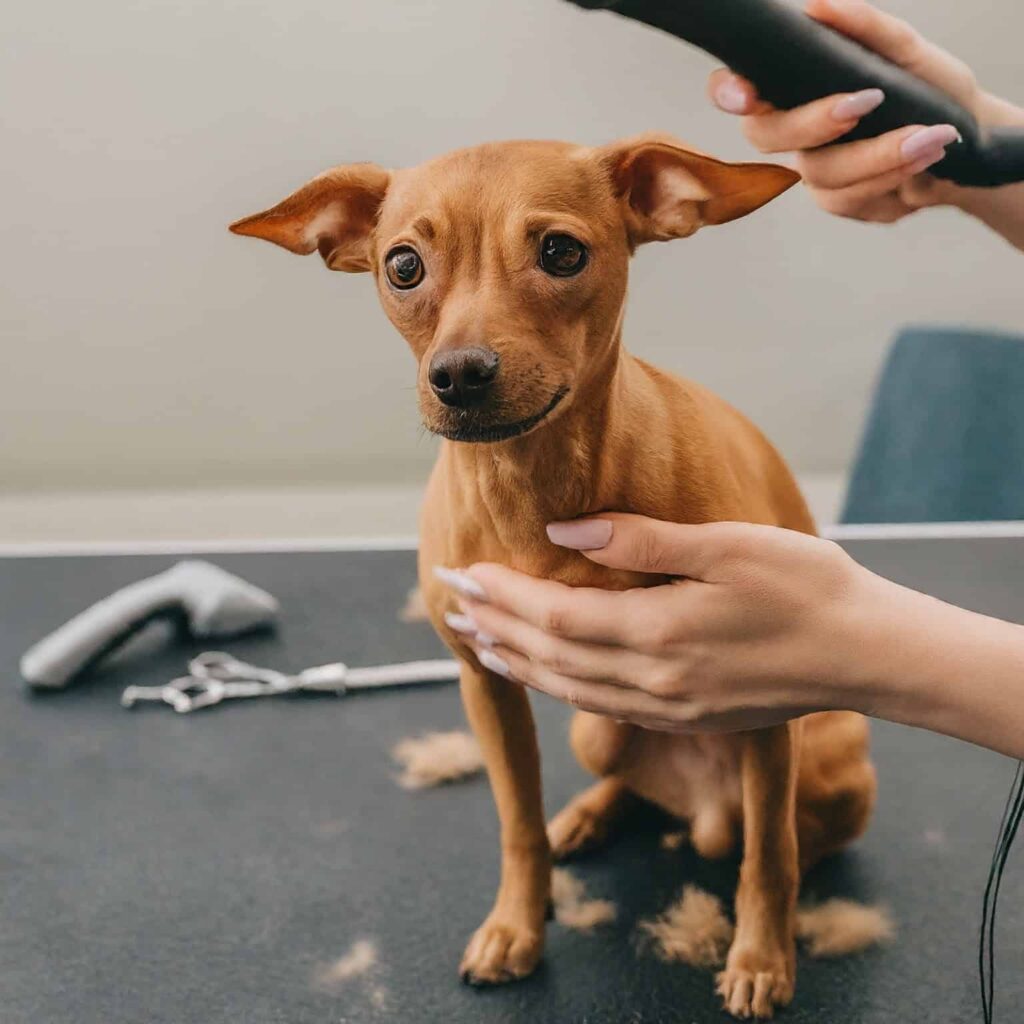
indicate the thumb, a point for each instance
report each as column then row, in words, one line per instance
column 637, row 543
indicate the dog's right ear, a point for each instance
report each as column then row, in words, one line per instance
column 670, row 190
column 334, row 214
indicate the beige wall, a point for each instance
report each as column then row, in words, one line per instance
column 145, row 347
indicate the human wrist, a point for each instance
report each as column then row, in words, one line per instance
column 862, row 633
column 986, row 204
column 993, row 111
column 904, row 679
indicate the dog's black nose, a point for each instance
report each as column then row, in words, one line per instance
column 462, row 377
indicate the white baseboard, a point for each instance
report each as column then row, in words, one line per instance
column 247, row 518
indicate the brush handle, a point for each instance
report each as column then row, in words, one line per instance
column 59, row 657
column 793, row 59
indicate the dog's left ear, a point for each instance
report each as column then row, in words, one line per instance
column 670, row 191
column 334, row 214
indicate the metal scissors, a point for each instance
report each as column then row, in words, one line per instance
column 214, row 676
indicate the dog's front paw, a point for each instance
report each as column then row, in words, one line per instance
column 754, row 983
column 501, row 950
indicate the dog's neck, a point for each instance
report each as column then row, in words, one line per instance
column 555, row 472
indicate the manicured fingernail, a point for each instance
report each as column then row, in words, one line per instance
column 731, row 96
column 491, row 661
column 926, row 161
column 581, row 534
column 925, row 140
column 460, row 582
column 857, row 104
column 465, row 625
column 461, row 623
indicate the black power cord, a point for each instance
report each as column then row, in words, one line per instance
column 1012, row 814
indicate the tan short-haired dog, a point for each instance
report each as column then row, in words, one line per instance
column 505, row 267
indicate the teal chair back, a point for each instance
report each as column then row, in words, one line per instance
column 944, row 440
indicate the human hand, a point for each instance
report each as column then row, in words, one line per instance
column 759, row 630
column 879, row 179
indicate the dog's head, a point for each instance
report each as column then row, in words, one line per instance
column 504, row 266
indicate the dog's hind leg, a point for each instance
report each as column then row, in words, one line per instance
column 585, row 821
column 509, row 943
column 600, row 745
column 837, row 787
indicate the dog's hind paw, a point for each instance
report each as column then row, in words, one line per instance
column 749, row 991
column 576, row 829
column 499, row 952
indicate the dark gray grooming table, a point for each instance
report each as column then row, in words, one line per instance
column 166, row 869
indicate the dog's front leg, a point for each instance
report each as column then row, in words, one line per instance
column 760, row 971
column 510, row 941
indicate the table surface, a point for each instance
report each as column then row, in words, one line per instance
column 166, row 869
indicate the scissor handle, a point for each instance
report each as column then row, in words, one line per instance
column 184, row 694
column 226, row 668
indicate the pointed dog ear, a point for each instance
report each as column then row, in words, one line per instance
column 670, row 191
column 334, row 214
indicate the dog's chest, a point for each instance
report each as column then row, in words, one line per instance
column 686, row 775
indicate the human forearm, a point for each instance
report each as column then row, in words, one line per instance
column 922, row 662
column 1001, row 209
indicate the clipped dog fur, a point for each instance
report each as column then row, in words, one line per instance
column 360, row 958
column 436, row 758
column 672, row 840
column 572, row 908
column 695, row 929
column 840, row 927
column 415, row 608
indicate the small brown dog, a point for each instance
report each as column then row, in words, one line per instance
column 504, row 267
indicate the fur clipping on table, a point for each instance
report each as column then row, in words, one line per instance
column 572, row 908
column 695, row 929
column 360, row 959
column 840, row 927
column 415, row 608
column 672, row 840
column 436, row 758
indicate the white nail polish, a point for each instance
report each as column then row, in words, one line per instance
column 462, row 624
column 857, row 105
column 925, row 140
column 460, row 582
column 926, row 161
column 491, row 661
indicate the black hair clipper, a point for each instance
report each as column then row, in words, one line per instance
column 793, row 59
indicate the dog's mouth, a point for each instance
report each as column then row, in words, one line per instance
column 467, row 426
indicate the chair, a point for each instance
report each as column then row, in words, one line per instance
column 944, row 440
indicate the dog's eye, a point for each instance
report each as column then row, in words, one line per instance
column 404, row 267
column 562, row 255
